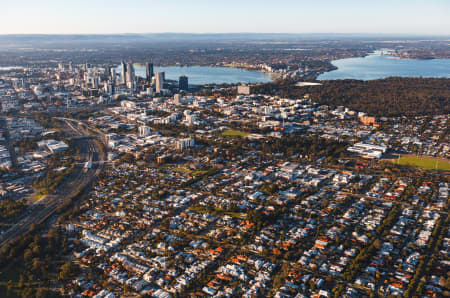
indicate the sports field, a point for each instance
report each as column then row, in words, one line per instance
column 428, row 163
column 235, row 133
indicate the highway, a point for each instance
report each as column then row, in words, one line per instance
column 77, row 181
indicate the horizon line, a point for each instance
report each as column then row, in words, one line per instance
column 229, row 33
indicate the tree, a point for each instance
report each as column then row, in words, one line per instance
column 42, row 293
column 37, row 265
column 269, row 188
column 10, row 287
column 278, row 281
column 21, row 281
column 67, row 270
column 377, row 244
column 27, row 255
column 27, row 293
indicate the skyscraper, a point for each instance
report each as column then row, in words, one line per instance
column 149, row 71
column 159, row 81
column 183, row 83
column 107, row 71
column 130, row 76
column 124, row 73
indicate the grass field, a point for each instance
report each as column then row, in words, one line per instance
column 199, row 173
column 216, row 212
column 189, row 171
column 235, row 133
column 38, row 196
column 182, row 170
column 427, row 163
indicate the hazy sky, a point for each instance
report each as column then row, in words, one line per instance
column 224, row 16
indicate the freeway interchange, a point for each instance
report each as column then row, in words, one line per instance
column 78, row 180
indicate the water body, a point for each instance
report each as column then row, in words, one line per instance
column 376, row 66
column 10, row 68
column 199, row 75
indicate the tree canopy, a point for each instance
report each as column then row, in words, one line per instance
column 389, row 97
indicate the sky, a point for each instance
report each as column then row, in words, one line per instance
column 430, row 17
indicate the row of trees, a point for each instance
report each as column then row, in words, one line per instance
column 366, row 253
column 10, row 208
column 431, row 255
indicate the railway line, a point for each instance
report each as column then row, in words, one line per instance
column 79, row 179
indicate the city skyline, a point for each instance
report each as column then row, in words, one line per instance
column 285, row 16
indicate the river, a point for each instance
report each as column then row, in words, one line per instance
column 199, row 75
column 376, row 66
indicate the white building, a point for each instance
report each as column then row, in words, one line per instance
column 185, row 143
column 368, row 150
column 177, row 99
column 144, row 131
column 159, row 81
column 53, row 146
column 243, row 89
column 128, row 104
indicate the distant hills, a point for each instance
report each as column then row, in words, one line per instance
column 23, row 40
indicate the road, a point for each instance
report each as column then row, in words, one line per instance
column 79, row 179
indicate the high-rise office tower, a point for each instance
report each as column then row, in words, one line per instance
column 95, row 82
column 107, row 71
column 130, row 76
column 124, row 72
column 108, row 88
column 149, row 71
column 159, row 81
column 183, row 83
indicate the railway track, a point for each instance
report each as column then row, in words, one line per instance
column 47, row 206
